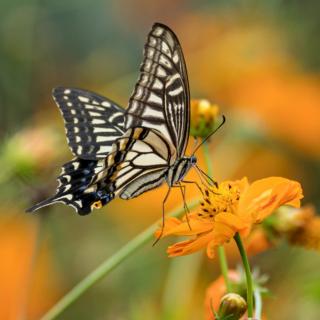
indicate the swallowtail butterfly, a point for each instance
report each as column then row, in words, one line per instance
column 126, row 152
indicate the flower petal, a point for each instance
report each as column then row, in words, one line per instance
column 265, row 195
column 189, row 246
column 242, row 184
column 174, row 226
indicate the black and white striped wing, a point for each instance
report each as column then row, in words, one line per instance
column 161, row 96
column 73, row 180
column 92, row 122
column 137, row 163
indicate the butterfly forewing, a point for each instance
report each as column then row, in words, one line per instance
column 161, row 96
column 138, row 162
column 157, row 121
column 92, row 122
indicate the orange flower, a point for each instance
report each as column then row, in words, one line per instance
column 303, row 227
column 29, row 283
column 257, row 242
column 231, row 207
column 308, row 236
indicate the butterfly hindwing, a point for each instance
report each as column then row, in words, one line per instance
column 92, row 122
column 161, row 96
column 73, row 180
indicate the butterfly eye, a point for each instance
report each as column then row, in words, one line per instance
column 97, row 205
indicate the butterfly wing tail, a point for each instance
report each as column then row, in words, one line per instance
column 41, row 204
column 73, row 188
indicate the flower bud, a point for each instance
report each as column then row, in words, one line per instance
column 288, row 219
column 232, row 306
column 29, row 150
column 203, row 117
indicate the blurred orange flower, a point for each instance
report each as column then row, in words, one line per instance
column 299, row 226
column 29, row 285
column 257, row 242
column 307, row 236
column 231, row 207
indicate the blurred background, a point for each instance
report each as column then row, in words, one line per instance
column 258, row 60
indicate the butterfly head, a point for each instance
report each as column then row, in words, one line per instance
column 193, row 160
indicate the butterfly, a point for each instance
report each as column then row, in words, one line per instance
column 126, row 152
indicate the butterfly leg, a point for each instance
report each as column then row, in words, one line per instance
column 193, row 182
column 183, row 193
column 163, row 215
column 187, row 211
column 203, row 182
column 209, row 179
column 206, row 180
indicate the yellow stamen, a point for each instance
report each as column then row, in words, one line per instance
column 219, row 199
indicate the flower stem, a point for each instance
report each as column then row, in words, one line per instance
column 224, row 268
column 257, row 304
column 108, row 265
column 221, row 252
column 248, row 274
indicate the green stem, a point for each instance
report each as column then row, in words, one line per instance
column 221, row 252
column 247, row 270
column 257, row 304
column 224, row 268
column 108, row 265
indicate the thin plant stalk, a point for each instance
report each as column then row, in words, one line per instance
column 247, row 270
column 257, row 304
column 108, row 265
column 224, row 268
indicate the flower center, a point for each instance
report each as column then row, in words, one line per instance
column 217, row 199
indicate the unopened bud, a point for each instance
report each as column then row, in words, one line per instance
column 203, row 117
column 232, row 306
column 288, row 219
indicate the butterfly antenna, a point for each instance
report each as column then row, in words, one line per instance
column 213, row 132
column 195, row 145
